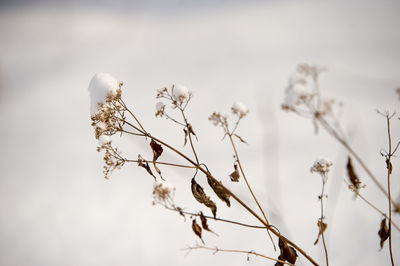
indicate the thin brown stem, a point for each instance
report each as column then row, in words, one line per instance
column 187, row 125
column 342, row 141
column 322, row 219
column 216, row 219
column 247, row 182
column 130, row 112
column 377, row 209
column 244, row 205
column 163, row 163
column 389, row 167
column 251, row 252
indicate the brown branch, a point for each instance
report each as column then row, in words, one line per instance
column 342, row 141
column 389, row 167
column 321, row 219
column 244, row 205
column 216, row 219
column 251, row 252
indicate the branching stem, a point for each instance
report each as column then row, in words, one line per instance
column 251, row 252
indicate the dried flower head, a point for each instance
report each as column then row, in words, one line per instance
column 180, row 93
column 163, row 192
column 218, row 119
column 160, row 107
column 322, row 166
column 239, row 109
column 105, row 92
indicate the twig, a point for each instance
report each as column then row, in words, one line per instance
column 321, row 219
column 251, row 252
column 341, row 140
column 245, row 179
column 163, row 163
column 244, row 205
column 216, row 219
column 389, row 171
column 376, row 208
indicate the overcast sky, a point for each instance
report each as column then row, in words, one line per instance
column 56, row 207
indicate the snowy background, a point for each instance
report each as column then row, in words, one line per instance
column 57, row 209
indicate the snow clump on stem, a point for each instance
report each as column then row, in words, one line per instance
column 180, row 93
column 239, row 109
column 101, row 87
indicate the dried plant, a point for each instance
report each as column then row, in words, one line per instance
column 111, row 117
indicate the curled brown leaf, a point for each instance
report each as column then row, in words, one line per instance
column 355, row 181
column 288, row 253
column 204, row 223
column 201, row 197
column 220, row 190
column 383, row 232
column 321, row 227
column 145, row 165
column 197, row 230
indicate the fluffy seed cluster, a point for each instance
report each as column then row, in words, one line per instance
column 218, row 120
column 163, row 192
column 321, row 166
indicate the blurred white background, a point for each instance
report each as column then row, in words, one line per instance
column 57, row 209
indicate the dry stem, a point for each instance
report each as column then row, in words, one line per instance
column 251, row 252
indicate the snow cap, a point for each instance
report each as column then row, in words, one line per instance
column 101, row 85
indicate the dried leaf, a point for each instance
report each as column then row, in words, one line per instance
column 240, row 138
column 186, row 136
column 383, row 232
column 145, row 165
column 191, row 131
column 389, row 166
column 235, row 175
column 355, row 181
column 201, row 197
column 288, row 253
column 322, row 227
column 197, row 230
column 157, row 149
column 221, row 192
column 204, row 223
